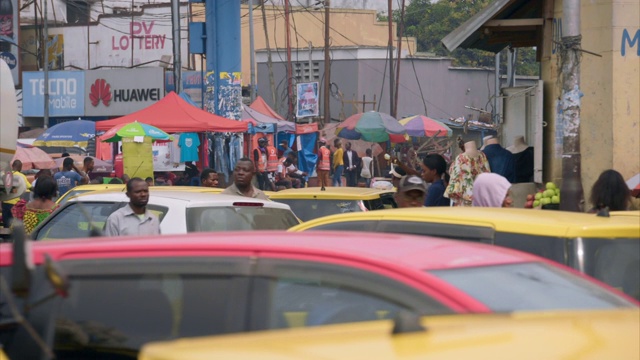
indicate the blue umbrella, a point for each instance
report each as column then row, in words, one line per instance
column 67, row 134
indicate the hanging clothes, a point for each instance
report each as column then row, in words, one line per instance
column 189, row 143
column 236, row 144
column 220, row 160
column 174, row 149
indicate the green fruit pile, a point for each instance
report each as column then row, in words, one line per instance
column 549, row 195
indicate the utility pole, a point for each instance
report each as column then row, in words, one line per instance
column 252, row 55
column 327, row 64
column 392, row 109
column 287, row 14
column 272, row 81
column 45, row 67
column 177, row 55
column 400, row 31
column 572, row 198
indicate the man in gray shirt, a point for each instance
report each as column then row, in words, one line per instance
column 133, row 219
column 242, row 176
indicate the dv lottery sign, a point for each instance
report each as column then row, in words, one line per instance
column 66, row 93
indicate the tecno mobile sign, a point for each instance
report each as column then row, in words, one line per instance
column 121, row 92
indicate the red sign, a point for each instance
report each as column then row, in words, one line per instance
column 100, row 91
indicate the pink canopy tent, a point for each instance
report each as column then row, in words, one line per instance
column 173, row 114
column 261, row 106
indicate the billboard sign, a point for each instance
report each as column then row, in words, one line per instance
column 191, row 84
column 307, row 104
column 66, row 93
column 121, row 92
column 9, row 22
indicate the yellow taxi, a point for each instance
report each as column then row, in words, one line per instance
column 542, row 335
column 312, row 202
column 83, row 189
column 607, row 248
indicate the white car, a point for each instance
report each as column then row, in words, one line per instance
column 179, row 212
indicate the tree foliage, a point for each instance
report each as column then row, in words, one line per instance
column 429, row 22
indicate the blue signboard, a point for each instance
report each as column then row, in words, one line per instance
column 66, row 93
column 191, row 84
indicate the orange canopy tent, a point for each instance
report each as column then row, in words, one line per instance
column 261, row 106
column 173, row 114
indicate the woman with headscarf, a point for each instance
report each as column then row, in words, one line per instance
column 491, row 190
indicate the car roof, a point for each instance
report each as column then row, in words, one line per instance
column 519, row 221
column 193, row 198
column 416, row 252
column 561, row 335
column 332, row 192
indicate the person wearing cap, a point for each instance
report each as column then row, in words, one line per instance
column 287, row 150
column 396, row 174
column 324, row 164
column 412, row 191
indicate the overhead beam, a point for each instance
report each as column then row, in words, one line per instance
column 514, row 22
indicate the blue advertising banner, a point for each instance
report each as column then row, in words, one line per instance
column 191, row 84
column 66, row 93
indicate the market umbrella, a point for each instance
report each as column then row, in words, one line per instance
column 134, row 129
column 33, row 158
column 422, row 126
column 67, row 134
column 369, row 126
column 98, row 165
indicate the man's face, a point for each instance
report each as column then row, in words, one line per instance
column 348, row 146
column 411, row 198
column 243, row 173
column 211, row 180
column 90, row 165
column 139, row 194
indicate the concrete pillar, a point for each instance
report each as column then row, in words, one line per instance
column 223, row 93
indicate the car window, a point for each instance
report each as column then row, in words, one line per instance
column 529, row 286
column 307, row 209
column 116, row 314
column 452, row 231
column 239, row 218
column 615, row 262
column 297, row 293
column 73, row 221
column 552, row 248
column 347, row 226
column 388, row 201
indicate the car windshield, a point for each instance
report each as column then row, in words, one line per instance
column 615, row 262
column 71, row 193
column 235, row 218
column 73, row 220
column 529, row 286
column 308, row 209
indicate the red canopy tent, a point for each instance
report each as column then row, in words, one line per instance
column 261, row 106
column 173, row 114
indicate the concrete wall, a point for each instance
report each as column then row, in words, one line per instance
column 611, row 85
column 446, row 90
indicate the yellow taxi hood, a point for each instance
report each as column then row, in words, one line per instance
column 612, row 334
column 519, row 221
column 334, row 193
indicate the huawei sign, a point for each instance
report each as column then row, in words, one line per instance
column 100, row 91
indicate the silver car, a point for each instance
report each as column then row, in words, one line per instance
column 179, row 212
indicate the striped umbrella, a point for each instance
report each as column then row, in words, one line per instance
column 370, row 126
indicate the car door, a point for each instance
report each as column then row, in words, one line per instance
column 294, row 293
column 116, row 305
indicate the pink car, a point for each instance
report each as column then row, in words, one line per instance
column 128, row 291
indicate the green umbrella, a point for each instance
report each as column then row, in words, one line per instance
column 134, row 129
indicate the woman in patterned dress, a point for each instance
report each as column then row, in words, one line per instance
column 38, row 209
